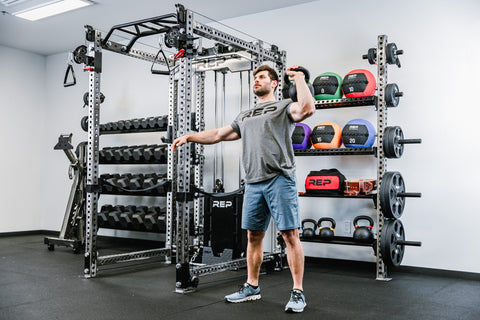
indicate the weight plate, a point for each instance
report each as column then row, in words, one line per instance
column 391, row 146
column 392, row 184
column 80, row 54
column 84, row 123
column 391, row 53
column 392, row 251
column 372, row 55
column 391, row 97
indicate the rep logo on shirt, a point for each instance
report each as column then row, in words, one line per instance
column 258, row 112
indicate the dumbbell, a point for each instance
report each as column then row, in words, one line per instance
column 136, row 123
column 137, row 152
column 102, row 218
column 363, row 234
column 161, row 122
column 128, row 124
column 162, row 188
column 126, row 221
column 326, row 233
column 307, row 232
column 162, row 222
column 148, row 152
column 290, row 90
column 144, row 123
column 151, row 122
column 149, row 181
column 151, row 219
column 121, row 125
column 138, row 218
column 159, row 153
column 114, row 216
column 136, row 182
column 127, row 154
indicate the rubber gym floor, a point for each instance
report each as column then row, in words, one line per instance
column 39, row 284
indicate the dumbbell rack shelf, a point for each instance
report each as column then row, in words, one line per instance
column 139, row 130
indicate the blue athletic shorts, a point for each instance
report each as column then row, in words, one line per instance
column 276, row 197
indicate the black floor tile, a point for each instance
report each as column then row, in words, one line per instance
column 39, row 284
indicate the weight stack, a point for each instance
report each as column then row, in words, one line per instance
column 223, row 223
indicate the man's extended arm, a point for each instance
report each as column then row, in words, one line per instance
column 207, row 137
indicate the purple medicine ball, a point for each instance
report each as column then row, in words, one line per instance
column 301, row 136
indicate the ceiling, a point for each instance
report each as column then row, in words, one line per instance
column 64, row 32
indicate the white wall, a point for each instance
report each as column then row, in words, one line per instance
column 23, row 124
column 438, row 76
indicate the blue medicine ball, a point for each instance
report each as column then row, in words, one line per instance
column 358, row 133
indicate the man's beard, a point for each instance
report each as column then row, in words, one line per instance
column 260, row 92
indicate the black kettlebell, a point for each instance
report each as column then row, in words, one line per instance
column 363, row 234
column 290, row 90
column 308, row 233
column 326, row 233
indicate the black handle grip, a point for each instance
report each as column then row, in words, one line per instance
column 69, row 84
column 161, row 72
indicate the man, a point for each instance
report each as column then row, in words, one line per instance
column 269, row 164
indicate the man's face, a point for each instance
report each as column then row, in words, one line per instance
column 262, row 84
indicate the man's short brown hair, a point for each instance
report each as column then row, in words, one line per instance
column 271, row 73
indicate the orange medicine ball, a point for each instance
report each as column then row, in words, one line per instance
column 326, row 135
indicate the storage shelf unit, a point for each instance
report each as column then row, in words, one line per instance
column 379, row 101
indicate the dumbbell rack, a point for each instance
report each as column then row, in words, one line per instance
column 105, row 184
column 379, row 101
column 186, row 113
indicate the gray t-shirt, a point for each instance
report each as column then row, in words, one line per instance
column 266, row 133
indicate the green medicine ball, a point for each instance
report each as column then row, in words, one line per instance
column 327, row 86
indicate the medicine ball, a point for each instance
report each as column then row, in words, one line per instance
column 326, row 135
column 358, row 133
column 301, row 136
column 327, row 86
column 359, row 83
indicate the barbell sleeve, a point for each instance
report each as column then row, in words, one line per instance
column 409, row 141
column 409, row 243
column 409, row 194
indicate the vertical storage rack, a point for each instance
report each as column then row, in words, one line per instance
column 393, row 241
column 183, row 32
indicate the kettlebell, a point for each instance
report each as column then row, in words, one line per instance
column 308, row 233
column 326, row 233
column 290, row 90
column 363, row 234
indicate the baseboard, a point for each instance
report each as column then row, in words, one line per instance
column 338, row 263
column 29, row 233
